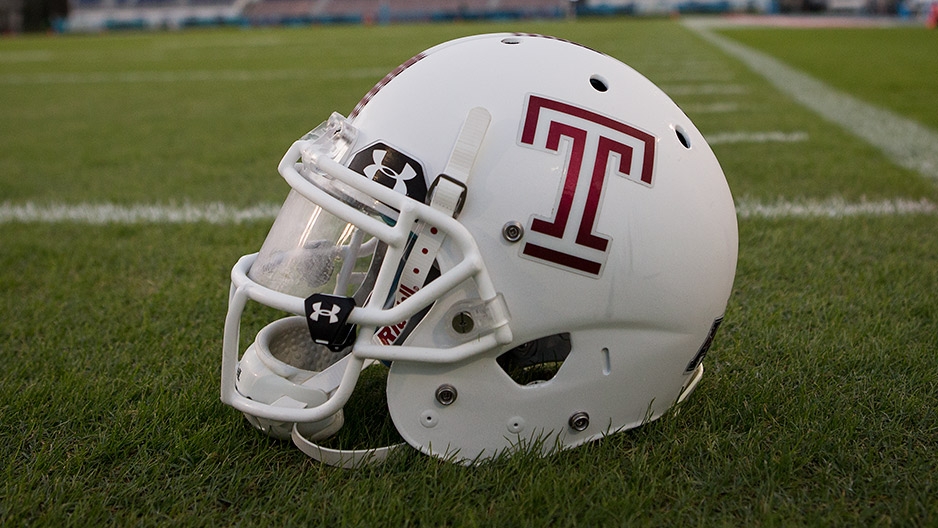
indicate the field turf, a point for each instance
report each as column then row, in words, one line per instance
column 820, row 401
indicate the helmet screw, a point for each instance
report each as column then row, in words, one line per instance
column 579, row 421
column 512, row 231
column 462, row 323
column 446, row 394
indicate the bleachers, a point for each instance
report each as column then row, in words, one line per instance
column 383, row 11
column 94, row 15
column 97, row 15
column 277, row 11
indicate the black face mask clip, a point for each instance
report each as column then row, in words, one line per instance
column 327, row 317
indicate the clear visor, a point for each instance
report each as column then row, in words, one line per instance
column 311, row 251
column 334, row 138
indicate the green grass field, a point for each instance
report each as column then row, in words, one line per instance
column 820, row 402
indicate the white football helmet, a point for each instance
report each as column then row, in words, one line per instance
column 535, row 239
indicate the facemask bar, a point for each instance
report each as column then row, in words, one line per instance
column 355, row 199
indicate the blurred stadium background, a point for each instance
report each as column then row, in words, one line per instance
column 100, row 15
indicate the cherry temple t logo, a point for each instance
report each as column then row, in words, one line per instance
column 594, row 146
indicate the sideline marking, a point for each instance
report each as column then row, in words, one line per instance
column 907, row 143
column 219, row 213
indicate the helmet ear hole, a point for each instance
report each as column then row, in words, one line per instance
column 536, row 361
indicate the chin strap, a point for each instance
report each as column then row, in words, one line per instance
column 328, row 381
column 343, row 458
column 448, row 193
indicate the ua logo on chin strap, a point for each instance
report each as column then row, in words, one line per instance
column 319, row 311
column 326, row 316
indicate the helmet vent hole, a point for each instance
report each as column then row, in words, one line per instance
column 511, row 40
column 536, row 361
column 682, row 136
column 598, row 83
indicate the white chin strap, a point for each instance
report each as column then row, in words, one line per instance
column 343, row 458
column 448, row 194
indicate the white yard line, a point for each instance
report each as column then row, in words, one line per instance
column 219, row 213
column 907, row 143
column 722, row 107
column 756, row 137
column 96, row 214
column 833, row 208
column 132, row 77
column 685, row 89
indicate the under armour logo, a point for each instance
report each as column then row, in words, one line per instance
column 318, row 311
column 391, row 168
column 379, row 171
column 327, row 319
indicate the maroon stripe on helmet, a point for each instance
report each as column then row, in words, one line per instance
column 558, row 39
column 384, row 82
column 563, row 259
